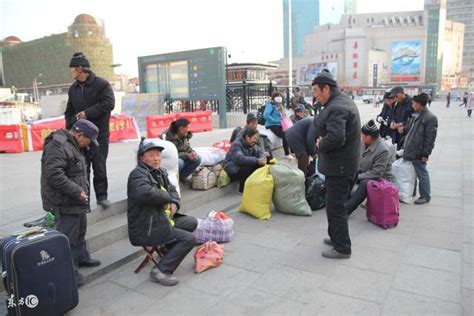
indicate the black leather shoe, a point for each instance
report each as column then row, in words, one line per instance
column 89, row 263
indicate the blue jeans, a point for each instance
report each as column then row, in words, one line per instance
column 423, row 179
column 186, row 167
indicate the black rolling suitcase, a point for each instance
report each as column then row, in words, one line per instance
column 38, row 273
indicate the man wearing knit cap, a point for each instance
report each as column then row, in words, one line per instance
column 338, row 127
column 91, row 98
column 375, row 163
column 420, row 139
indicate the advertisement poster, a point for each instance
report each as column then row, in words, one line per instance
column 406, row 61
column 308, row 72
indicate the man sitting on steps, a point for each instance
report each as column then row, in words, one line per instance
column 153, row 218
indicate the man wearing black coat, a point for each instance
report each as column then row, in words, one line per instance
column 92, row 98
column 339, row 143
column 401, row 113
column 64, row 187
column 385, row 117
column 153, row 218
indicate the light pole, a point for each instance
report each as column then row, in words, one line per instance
column 290, row 50
column 35, row 88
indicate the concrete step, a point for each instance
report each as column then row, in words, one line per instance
column 120, row 252
column 113, row 226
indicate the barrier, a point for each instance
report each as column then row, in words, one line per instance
column 41, row 129
column 123, row 128
column 157, row 124
column 200, row 121
column 10, row 139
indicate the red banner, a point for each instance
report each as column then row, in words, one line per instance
column 41, row 129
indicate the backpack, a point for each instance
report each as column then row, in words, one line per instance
column 260, row 118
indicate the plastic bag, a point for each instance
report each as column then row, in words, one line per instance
column 258, row 192
column 210, row 155
column 223, row 179
column 217, row 226
column 286, row 123
column 210, row 255
column 289, row 193
column 405, row 178
column 224, row 145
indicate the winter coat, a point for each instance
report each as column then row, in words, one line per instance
column 387, row 115
column 182, row 143
column 271, row 114
column 420, row 136
column 96, row 98
column 402, row 111
column 263, row 141
column 376, row 161
column 338, row 125
column 241, row 155
column 63, row 174
column 302, row 137
column 148, row 225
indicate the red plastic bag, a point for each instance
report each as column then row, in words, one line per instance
column 210, row 255
column 225, row 145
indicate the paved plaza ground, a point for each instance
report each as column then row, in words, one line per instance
column 423, row 266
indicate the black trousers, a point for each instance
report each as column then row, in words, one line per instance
column 338, row 190
column 97, row 158
column 357, row 197
column 278, row 131
column 185, row 242
column 74, row 226
column 243, row 174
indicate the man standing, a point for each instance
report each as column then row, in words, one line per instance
column 92, row 98
column 419, row 142
column 401, row 113
column 448, row 99
column 338, row 125
column 385, row 117
column 64, row 187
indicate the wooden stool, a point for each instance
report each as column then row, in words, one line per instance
column 149, row 251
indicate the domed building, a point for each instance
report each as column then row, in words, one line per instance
column 21, row 61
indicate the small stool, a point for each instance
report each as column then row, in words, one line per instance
column 149, row 251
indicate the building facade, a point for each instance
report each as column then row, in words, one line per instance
column 463, row 11
column 384, row 49
column 47, row 59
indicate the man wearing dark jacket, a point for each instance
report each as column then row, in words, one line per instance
column 422, row 128
column 153, row 218
column 263, row 141
column 302, row 140
column 338, row 128
column 401, row 112
column 244, row 157
column 92, row 98
column 64, row 187
column 385, row 117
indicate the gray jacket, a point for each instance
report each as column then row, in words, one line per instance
column 338, row 125
column 302, row 137
column 63, row 174
column 241, row 155
column 376, row 161
column 421, row 136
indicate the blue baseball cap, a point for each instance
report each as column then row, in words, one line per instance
column 88, row 128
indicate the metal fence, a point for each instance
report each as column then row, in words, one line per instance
column 247, row 97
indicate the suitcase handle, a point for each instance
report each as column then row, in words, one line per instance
column 374, row 185
column 30, row 231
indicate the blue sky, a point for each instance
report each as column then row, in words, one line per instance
column 250, row 29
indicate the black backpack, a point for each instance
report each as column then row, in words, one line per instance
column 315, row 192
column 260, row 118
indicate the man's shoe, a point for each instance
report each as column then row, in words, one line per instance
column 80, row 279
column 333, row 254
column 328, row 241
column 163, row 278
column 105, row 203
column 89, row 263
column 421, row 201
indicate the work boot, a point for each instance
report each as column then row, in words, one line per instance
column 89, row 263
column 328, row 241
column 104, row 203
column 163, row 278
column 422, row 201
column 334, row 254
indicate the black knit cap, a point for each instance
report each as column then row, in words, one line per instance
column 422, row 98
column 251, row 117
column 79, row 59
column 325, row 77
column 370, row 128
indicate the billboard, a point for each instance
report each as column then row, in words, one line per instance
column 406, row 61
column 307, row 72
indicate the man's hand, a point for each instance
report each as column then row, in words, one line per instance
column 81, row 115
column 267, row 154
column 173, row 209
column 262, row 161
column 317, row 141
column 83, row 197
column 424, row 159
